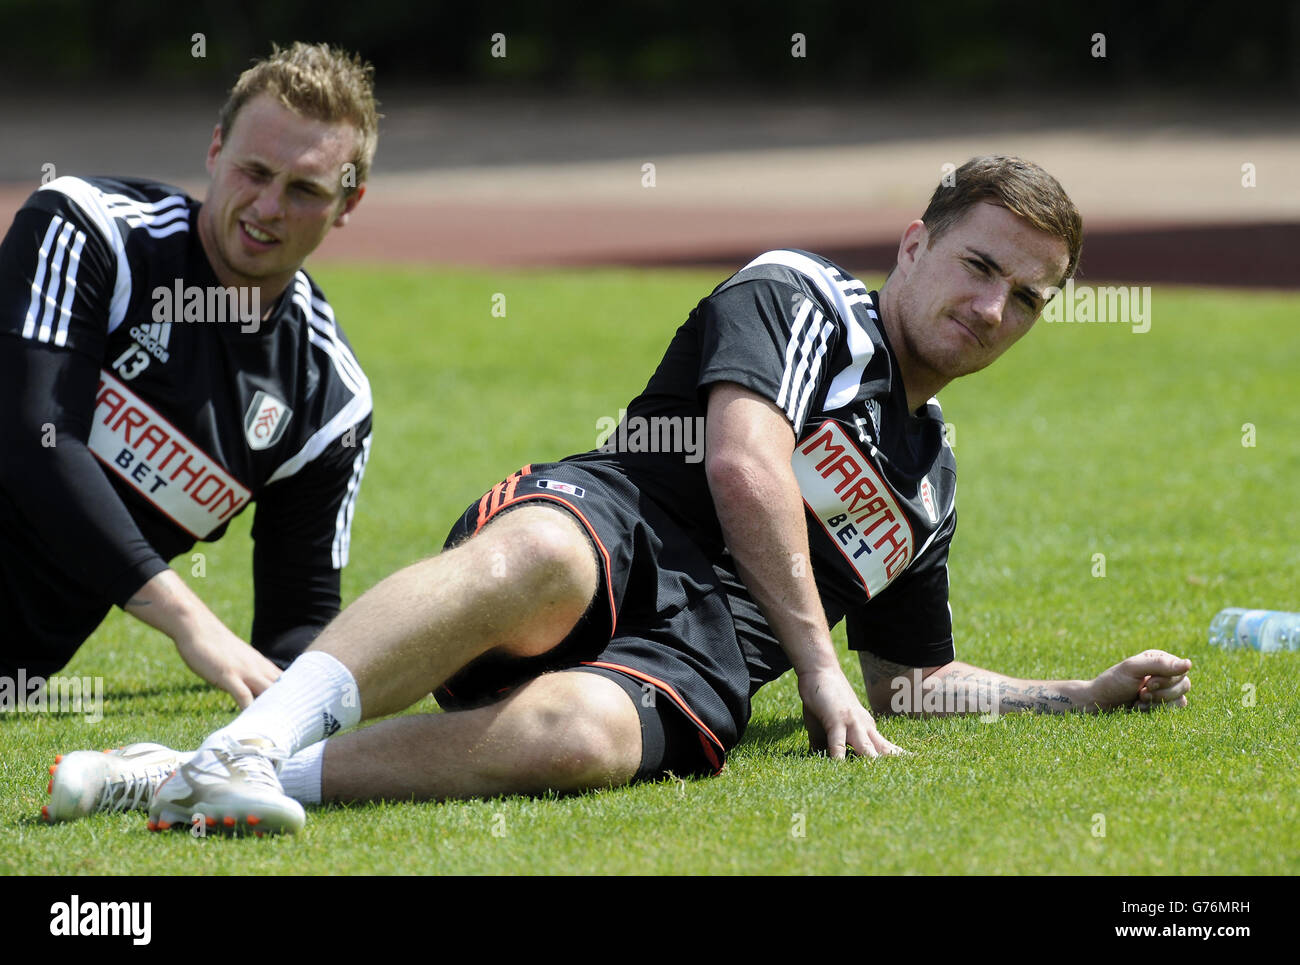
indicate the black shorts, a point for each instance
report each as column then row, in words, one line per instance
column 661, row 623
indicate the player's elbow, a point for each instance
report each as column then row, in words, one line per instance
column 721, row 467
column 735, row 477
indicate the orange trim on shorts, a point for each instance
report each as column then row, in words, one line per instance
column 609, row 582
column 482, row 509
column 706, row 735
column 485, row 509
column 709, row 752
column 505, row 489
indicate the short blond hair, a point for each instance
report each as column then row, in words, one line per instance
column 317, row 81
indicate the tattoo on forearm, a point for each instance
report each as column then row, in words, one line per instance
column 1036, row 698
column 958, row 691
column 962, row 691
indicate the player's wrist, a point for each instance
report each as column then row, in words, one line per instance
column 1082, row 695
column 167, row 604
column 818, row 664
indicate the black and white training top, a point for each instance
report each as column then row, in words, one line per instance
column 142, row 414
column 878, row 482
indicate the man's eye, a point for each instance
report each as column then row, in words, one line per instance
column 979, row 265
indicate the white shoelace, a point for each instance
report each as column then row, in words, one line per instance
column 132, row 790
column 256, row 765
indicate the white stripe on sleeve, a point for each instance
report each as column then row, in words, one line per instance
column 343, row 524
column 791, row 348
column 811, row 381
column 805, row 357
column 69, row 290
column 38, row 280
column 51, row 290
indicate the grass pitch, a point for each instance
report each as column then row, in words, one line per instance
column 1116, row 489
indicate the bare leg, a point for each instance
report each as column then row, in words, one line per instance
column 520, row 585
column 562, row 732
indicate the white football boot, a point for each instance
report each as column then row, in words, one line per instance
column 84, row 782
column 231, row 788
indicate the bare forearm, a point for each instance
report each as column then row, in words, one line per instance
column 167, row 604
column 1012, row 694
column 205, row 643
column 760, row 509
column 960, row 688
column 748, row 443
column 768, row 540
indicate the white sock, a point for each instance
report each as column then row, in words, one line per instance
column 315, row 698
column 300, row 774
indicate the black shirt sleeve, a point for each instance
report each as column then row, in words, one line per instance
column 301, row 533
column 58, row 272
column 910, row 622
column 56, row 279
column 769, row 337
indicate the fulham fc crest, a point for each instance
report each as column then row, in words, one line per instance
column 265, row 421
column 927, row 499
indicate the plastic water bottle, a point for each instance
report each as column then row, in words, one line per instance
column 1264, row 630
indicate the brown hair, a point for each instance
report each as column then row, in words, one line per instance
column 1020, row 186
column 320, row 82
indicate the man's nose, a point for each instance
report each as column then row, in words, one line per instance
column 990, row 303
column 269, row 203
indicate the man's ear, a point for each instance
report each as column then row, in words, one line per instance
column 915, row 237
column 214, row 149
column 349, row 206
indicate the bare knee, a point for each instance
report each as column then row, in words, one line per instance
column 582, row 730
column 543, row 555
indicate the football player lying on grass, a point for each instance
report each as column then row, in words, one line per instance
column 607, row 618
